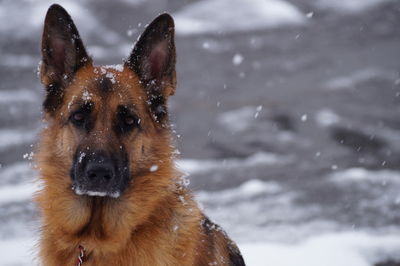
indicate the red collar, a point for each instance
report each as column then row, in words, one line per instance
column 82, row 256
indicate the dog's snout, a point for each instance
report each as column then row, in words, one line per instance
column 98, row 169
column 96, row 174
column 99, row 173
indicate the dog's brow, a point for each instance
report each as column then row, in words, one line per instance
column 127, row 108
column 105, row 84
column 81, row 105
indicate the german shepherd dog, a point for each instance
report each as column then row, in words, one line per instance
column 111, row 194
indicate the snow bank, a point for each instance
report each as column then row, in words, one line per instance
column 16, row 173
column 216, row 16
column 246, row 190
column 350, row 6
column 339, row 249
column 353, row 79
column 11, row 137
column 261, row 158
column 326, row 117
column 348, row 248
column 18, row 183
column 17, row 193
column 18, row 252
column 18, row 95
column 239, row 120
column 378, row 177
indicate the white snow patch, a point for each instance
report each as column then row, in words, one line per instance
column 96, row 193
column 111, row 76
column 363, row 175
column 18, row 252
column 71, row 102
column 246, row 190
column 254, row 187
column 91, row 193
column 350, row 81
column 326, row 118
column 239, row 119
column 336, row 249
column 22, row 192
column 28, row 156
column 182, row 200
column 118, row 67
column 238, row 15
column 81, row 156
column 310, row 15
column 17, row 171
column 86, row 96
column 261, row 158
column 11, row 137
column 20, row 95
column 350, row 6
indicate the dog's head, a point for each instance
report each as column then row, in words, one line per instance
column 106, row 125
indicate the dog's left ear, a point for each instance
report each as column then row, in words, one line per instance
column 153, row 60
column 63, row 54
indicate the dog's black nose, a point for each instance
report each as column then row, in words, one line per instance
column 99, row 173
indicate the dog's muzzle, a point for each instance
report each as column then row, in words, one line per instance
column 97, row 174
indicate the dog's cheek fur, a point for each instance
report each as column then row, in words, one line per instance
column 152, row 176
column 54, row 163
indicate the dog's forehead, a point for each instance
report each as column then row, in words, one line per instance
column 105, row 85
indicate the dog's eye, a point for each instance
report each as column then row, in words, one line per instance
column 78, row 118
column 127, row 123
column 127, row 120
column 130, row 121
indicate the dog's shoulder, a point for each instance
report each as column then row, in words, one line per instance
column 219, row 241
column 235, row 257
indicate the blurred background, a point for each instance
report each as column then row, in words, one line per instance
column 287, row 117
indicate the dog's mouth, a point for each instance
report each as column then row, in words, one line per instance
column 95, row 193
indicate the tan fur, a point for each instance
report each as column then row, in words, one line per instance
column 154, row 222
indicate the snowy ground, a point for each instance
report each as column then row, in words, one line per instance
column 287, row 117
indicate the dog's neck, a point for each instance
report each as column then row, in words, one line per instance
column 105, row 225
column 103, row 246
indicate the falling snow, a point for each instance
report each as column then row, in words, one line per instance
column 86, row 96
column 81, row 156
column 237, row 59
column 154, row 168
column 289, row 135
column 310, row 15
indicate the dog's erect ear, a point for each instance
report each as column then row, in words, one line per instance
column 63, row 54
column 153, row 60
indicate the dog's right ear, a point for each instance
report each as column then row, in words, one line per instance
column 63, row 53
column 153, row 59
